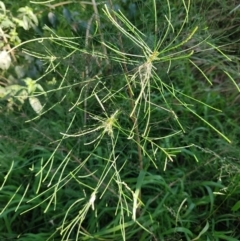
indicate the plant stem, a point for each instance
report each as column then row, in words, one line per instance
column 99, row 29
column 132, row 104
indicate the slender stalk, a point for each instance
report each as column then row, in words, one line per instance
column 100, row 31
column 132, row 104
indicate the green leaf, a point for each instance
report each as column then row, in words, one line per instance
column 13, row 89
column 139, row 184
column 204, row 230
column 6, row 23
column 25, row 23
column 24, row 10
column 222, row 236
column 33, row 17
column 31, row 85
column 2, row 6
column 39, row 87
column 236, row 206
column 2, row 92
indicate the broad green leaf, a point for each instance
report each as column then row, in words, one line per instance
column 236, row 206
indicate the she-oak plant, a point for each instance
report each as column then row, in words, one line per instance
column 111, row 205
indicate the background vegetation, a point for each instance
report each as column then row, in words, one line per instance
column 119, row 120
